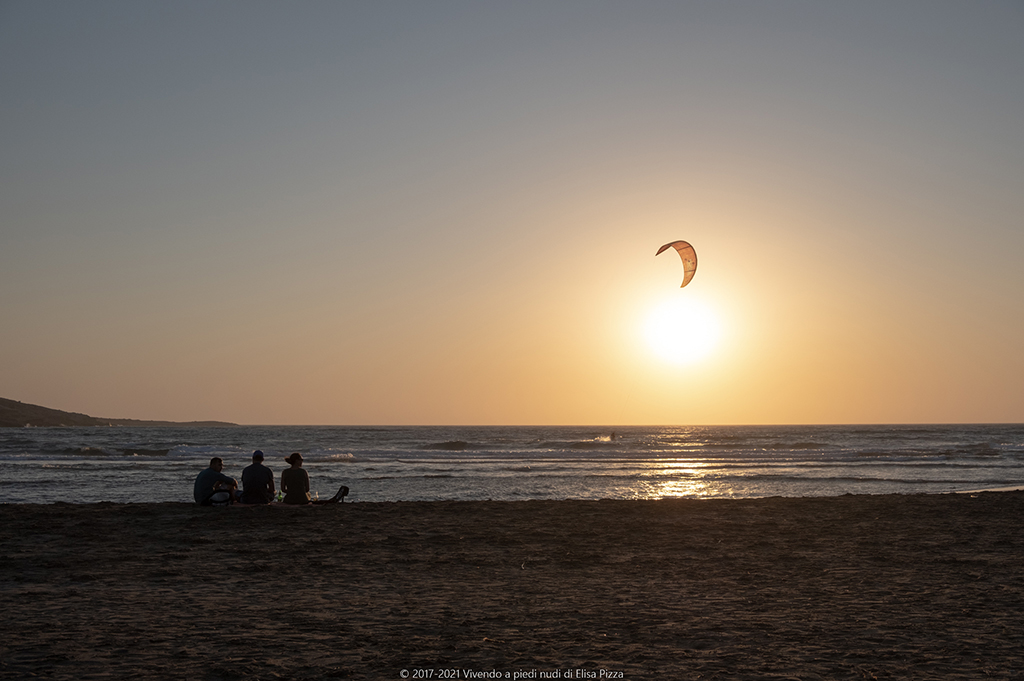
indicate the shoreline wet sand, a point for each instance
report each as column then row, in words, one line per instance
column 918, row 586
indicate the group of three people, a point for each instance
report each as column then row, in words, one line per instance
column 212, row 487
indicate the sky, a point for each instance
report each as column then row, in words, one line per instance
column 447, row 212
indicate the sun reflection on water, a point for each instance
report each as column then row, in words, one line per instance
column 678, row 479
column 683, row 488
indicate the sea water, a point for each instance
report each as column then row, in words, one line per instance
column 84, row 465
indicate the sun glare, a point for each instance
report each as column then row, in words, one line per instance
column 682, row 330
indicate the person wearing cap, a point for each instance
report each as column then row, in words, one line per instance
column 257, row 481
column 212, row 481
column 295, row 481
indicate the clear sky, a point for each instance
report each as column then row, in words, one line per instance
column 447, row 212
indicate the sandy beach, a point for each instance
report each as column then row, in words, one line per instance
column 922, row 587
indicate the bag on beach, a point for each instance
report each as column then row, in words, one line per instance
column 222, row 498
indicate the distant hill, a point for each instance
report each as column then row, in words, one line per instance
column 17, row 414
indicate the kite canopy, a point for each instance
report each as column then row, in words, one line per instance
column 688, row 255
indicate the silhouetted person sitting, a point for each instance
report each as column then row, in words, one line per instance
column 295, row 485
column 295, row 481
column 257, row 481
column 213, row 487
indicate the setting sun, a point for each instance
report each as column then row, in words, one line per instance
column 682, row 330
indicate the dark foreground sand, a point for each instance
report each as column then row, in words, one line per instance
column 912, row 587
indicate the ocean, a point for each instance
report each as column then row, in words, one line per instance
column 86, row 465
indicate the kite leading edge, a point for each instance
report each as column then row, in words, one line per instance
column 688, row 255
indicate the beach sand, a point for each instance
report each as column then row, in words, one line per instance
column 922, row 587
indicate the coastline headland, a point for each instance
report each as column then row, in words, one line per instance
column 14, row 414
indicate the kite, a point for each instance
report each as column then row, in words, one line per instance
column 688, row 255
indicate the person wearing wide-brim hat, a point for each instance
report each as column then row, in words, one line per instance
column 295, row 481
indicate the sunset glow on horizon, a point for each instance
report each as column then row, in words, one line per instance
column 447, row 212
